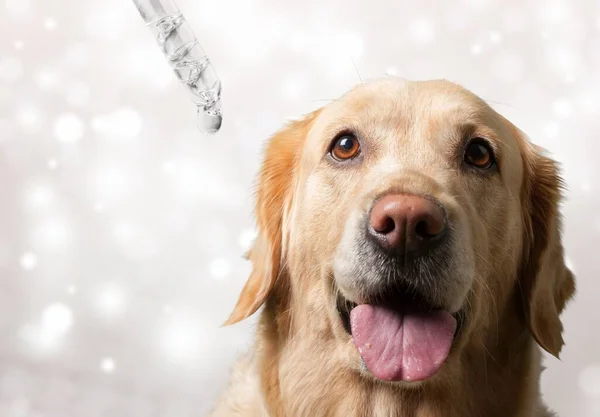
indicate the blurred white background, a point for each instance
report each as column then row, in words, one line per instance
column 122, row 228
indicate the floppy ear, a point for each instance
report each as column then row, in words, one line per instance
column 273, row 195
column 547, row 283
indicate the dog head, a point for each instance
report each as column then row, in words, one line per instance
column 406, row 217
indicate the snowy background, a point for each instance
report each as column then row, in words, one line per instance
column 122, row 228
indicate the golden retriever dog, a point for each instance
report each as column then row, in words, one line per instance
column 409, row 261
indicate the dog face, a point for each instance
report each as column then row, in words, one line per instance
column 404, row 217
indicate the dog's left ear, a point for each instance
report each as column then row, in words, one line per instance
column 546, row 283
column 273, row 198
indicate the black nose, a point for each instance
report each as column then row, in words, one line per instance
column 407, row 223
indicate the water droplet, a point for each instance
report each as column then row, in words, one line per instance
column 209, row 121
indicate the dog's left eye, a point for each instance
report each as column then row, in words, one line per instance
column 345, row 147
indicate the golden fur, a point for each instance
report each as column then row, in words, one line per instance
column 303, row 363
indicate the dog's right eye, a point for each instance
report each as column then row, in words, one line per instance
column 479, row 154
column 345, row 147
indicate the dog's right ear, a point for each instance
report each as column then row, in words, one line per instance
column 274, row 194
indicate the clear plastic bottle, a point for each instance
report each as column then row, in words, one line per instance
column 187, row 58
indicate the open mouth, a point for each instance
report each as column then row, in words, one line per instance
column 402, row 336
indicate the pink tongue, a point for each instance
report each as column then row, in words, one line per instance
column 401, row 346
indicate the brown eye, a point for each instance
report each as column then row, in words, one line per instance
column 345, row 147
column 479, row 154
